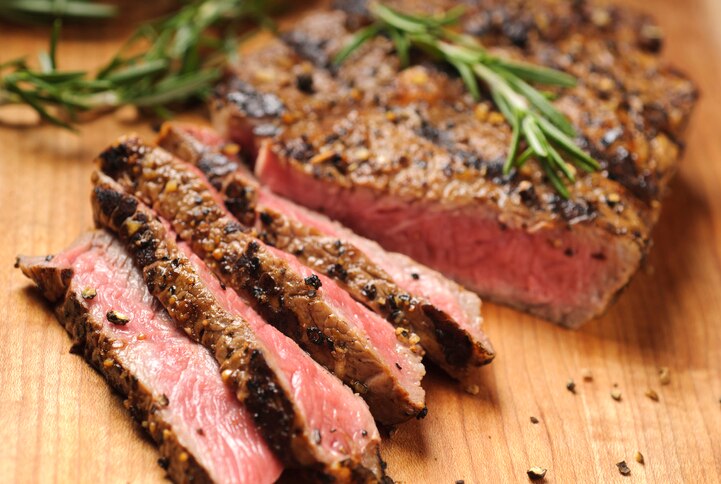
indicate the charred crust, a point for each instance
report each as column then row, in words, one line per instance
column 114, row 160
column 456, row 344
column 115, row 204
column 254, row 103
column 270, row 408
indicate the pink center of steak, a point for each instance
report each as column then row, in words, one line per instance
column 403, row 363
column 568, row 272
column 460, row 305
column 204, row 414
column 342, row 420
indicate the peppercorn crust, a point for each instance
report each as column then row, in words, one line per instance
column 444, row 341
column 274, row 287
column 244, row 361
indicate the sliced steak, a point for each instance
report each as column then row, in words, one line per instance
column 172, row 386
column 445, row 316
column 308, row 417
column 407, row 158
column 354, row 343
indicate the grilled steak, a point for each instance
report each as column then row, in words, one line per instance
column 407, row 158
column 307, row 416
column 355, row 344
column 171, row 385
column 445, row 316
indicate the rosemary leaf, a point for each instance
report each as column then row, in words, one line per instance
column 530, row 113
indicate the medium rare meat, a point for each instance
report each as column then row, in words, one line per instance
column 444, row 315
column 172, row 386
column 308, row 417
column 407, row 158
column 354, row 343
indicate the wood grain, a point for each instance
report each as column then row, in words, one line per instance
column 60, row 423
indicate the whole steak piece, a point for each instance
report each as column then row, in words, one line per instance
column 408, row 158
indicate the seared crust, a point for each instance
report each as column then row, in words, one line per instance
column 98, row 349
column 279, row 293
column 244, row 361
column 444, row 341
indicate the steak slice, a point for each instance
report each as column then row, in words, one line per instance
column 444, row 315
column 407, row 158
column 308, row 417
column 354, row 343
column 172, row 386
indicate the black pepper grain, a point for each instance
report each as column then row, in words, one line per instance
column 313, row 281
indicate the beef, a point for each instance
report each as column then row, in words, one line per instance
column 306, row 415
column 407, row 158
column 172, row 386
column 358, row 346
column 444, row 315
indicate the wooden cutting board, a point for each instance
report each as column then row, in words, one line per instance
column 59, row 422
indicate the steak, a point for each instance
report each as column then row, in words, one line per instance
column 406, row 157
column 444, row 315
column 358, row 346
column 306, row 415
column 203, row 433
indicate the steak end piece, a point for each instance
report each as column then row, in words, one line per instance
column 203, row 433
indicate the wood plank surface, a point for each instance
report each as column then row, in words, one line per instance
column 60, row 423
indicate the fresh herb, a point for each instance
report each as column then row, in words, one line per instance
column 623, row 468
column 540, row 131
column 175, row 59
column 40, row 10
column 88, row 293
column 536, row 473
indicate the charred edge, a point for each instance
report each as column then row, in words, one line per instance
column 272, row 412
column 115, row 207
column 456, row 344
column 116, row 159
column 241, row 199
column 96, row 348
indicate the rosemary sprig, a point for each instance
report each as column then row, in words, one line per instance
column 34, row 10
column 544, row 131
column 175, row 59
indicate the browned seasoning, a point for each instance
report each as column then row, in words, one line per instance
column 623, row 468
column 536, row 473
column 116, row 317
column 664, row 375
column 534, row 420
column 638, row 456
column 586, row 374
column 571, row 386
column 650, row 393
column 616, row 394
